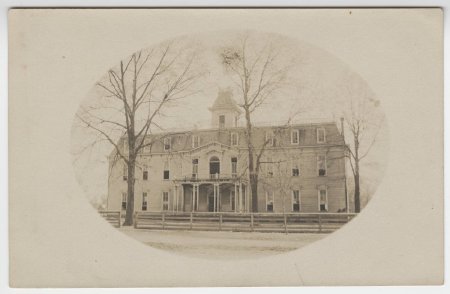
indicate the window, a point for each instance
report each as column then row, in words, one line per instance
column 294, row 137
column 236, row 121
column 321, row 135
column 166, row 174
column 271, row 141
column 194, row 168
column 125, row 172
column 145, row 174
column 146, row 145
column 234, row 167
column 167, row 144
column 322, row 165
column 234, row 139
column 269, row 202
column 221, row 121
column 269, row 166
column 296, row 200
column 195, row 141
column 295, row 168
column 323, row 200
column 144, row 201
column 214, row 167
column 124, row 200
column 165, row 201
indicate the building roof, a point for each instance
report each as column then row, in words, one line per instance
column 225, row 101
column 182, row 140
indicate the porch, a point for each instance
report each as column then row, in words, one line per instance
column 213, row 194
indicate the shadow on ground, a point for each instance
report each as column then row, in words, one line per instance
column 222, row 245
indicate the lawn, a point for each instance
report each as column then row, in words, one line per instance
column 222, row 245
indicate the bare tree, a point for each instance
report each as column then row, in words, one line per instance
column 364, row 121
column 257, row 73
column 133, row 96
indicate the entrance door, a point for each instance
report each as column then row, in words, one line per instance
column 214, row 166
column 211, row 203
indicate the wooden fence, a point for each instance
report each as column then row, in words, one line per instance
column 113, row 217
column 243, row 222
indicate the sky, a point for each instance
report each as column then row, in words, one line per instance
column 316, row 90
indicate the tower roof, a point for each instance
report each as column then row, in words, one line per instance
column 225, row 101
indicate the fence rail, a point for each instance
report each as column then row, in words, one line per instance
column 243, row 222
column 113, row 217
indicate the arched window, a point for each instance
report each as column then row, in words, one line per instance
column 214, row 166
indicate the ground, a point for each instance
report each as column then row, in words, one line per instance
column 222, row 245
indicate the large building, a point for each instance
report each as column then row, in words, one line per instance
column 302, row 168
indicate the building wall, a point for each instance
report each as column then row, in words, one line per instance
column 179, row 159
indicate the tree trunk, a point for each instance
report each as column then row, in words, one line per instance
column 130, row 193
column 254, row 188
column 357, row 190
column 253, row 173
column 356, row 174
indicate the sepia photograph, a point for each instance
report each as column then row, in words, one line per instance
column 239, row 131
column 238, row 147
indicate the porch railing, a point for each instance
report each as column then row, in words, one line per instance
column 212, row 177
column 243, row 222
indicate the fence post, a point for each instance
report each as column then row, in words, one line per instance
column 320, row 223
column 285, row 224
column 251, row 222
column 119, row 220
column 191, row 220
column 220, row 222
column 163, row 219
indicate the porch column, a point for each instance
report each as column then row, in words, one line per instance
column 215, row 195
column 182, row 197
column 196, row 196
column 247, row 199
column 218, row 197
column 175, row 198
column 240, row 197
column 235, row 198
column 192, row 198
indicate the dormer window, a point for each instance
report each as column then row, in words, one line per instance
column 271, row 141
column 167, row 144
column 321, row 135
column 294, row 137
column 234, row 139
column 221, row 121
column 147, row 145
column 195, row 141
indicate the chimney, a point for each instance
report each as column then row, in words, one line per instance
column 342, row 126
